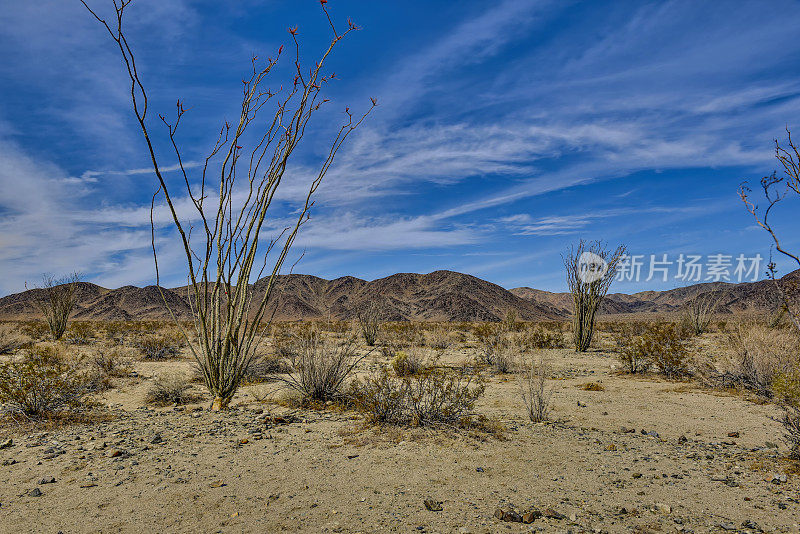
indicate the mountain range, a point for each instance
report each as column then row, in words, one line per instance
column 436, row 296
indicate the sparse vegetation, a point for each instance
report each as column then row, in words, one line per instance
column 369, row 323
column 56, row 298
column 699, row 312
column 590, row 270
column 534, row 392
column 436, row 396
column 757, row 356
column 662, row 345
column 160, row 346
column 409, row 362
column 12, row 339
column 320, row 368
column 169, row 389
column 40, row 382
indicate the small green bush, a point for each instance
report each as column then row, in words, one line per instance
column 664, row 346
column 41, row 382
column 435, row 396
column 408, row 363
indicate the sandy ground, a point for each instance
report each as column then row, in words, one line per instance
column 262, row 467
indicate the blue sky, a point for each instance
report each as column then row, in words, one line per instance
column 506, row 131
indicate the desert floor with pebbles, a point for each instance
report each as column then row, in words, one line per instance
column 642, row 455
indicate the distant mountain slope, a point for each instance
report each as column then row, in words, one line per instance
column 746, row 297
column 436, row 296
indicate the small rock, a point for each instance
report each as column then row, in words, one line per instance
column 531, row 516
column 7, row 443
column 683, row 439
column 114, row 453
column 157, row 439
column 35, row 492
column 432, row 506
column 637, row 475
column 552, row 514
column 662, row 508
column 733, row 434
column 778, row 478
column 217, row 484
column 752, row 525
column 47, row 480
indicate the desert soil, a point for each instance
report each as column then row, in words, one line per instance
column 265, row 467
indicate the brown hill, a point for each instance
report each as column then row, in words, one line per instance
column 742, row 298
column 436, row 296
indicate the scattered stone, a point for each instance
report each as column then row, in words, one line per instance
column 778, row 478
column 733, row 434
column 510, row 516
column 531, row 516
column 719, row 478
column 114, row 453
column 432, row 506
column 157, row 439
column 637, row 475
column 10, row 461
column 552, row 514
column 35, row 492
column 662, row 508
column 217, row 484
column 726, row 526
column 7, row 443
column 47, row 480
column 626, row 430
column 683, row 439
column 752, row 525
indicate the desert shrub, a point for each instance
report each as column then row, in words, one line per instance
column 440, row 338
column 786, row 387
column 510, row 323
column 490, row 340
column 263, row 366
column 758, row 356
column 110, row 362
column 592, row 386
column 320, row 368
column 533, row 391
column 503, row 360
column 435, row 396
column 160, row 346
column 169, row 389
column 699, row 312
column 80, row 332
column 368, row 322
column 631, row 348
column 12, row 339
column 40, row 382
column 664, row 346
column 36, row 330
column 539, row 338
column 407, row 363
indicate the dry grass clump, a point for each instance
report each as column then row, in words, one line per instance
column 504, row 359
column 12, row 339
column 436, row 396
column 170, row 389
column 408, row 363
column 786, row 387
column 539, row 337
column 264, row 366
column 161, row 345
column 661, row 345
column 369, row 323
column 758, row 354
column 592, row 386
column 36, row 330
column 533, row 391
column 40, row 382
column 439, row 338
column 112, row 362
column 81, row 332
column 321, row 367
